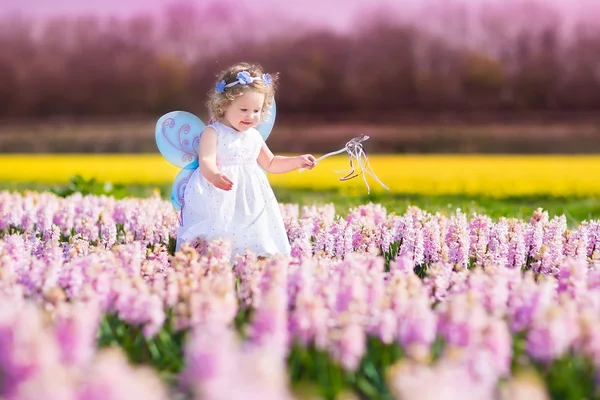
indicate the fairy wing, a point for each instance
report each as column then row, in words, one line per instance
column 266, row 126
column 179, row 185
column 178, row 136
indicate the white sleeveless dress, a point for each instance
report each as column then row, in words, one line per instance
column 249, row 213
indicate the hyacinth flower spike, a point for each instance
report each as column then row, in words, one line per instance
column 355, row 150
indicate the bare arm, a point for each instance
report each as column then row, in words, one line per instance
column 207, row 157
column 281, row 164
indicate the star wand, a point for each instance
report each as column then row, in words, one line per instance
column 355, row 150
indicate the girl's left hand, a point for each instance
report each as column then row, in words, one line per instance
column 307, row 161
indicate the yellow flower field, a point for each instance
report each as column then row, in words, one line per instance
column 496, row 176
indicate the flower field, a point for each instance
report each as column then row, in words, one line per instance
column 370, row 305
column 496, row 176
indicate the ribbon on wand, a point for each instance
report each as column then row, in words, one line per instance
column 355, row 150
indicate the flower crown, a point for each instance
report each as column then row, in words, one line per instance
column 243, row 78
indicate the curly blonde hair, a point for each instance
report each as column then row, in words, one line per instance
column 219, row 101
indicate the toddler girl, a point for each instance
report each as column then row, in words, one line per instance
column 229, row 195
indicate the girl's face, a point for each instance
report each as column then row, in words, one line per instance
column 244, row 112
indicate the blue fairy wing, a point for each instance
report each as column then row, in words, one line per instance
column 178, row 136
column 267, row 125
column 178, row 188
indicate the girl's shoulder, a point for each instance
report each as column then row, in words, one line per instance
column 217, row 126
column 256, row 134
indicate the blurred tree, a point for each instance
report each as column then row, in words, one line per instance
column 450, row 59
column 18, row 51
column 382, row 70
column 170, row 79
column 483, row 81
column 582, row 81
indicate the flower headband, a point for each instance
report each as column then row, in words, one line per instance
column 243, row 78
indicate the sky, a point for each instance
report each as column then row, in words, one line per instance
column 336, row 13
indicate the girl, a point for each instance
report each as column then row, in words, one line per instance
column 229, row 195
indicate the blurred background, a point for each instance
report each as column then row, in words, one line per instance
column 435, row 76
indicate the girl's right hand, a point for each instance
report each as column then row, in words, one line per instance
column 222, row 181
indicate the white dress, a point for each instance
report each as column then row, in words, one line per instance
column 249, row 213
